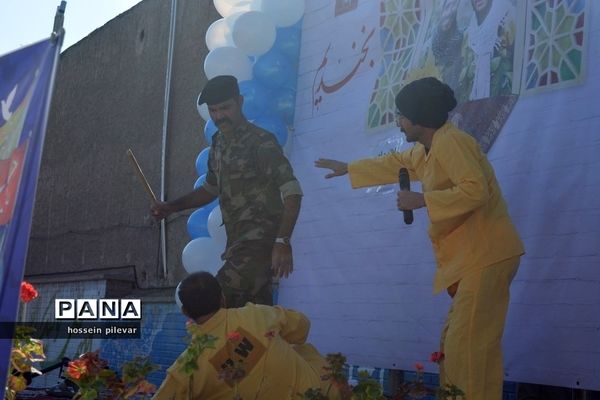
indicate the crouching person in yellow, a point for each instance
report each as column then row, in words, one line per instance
column 259, row 351
column 475, row 243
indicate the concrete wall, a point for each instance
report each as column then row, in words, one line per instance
column 91, row 210
column 91, row 222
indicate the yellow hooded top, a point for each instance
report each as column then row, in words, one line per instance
column 469, row 223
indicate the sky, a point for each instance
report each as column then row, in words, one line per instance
column 23, row 22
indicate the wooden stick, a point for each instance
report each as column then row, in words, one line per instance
column 139, row 172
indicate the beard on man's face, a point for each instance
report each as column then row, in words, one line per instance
column 222, row 121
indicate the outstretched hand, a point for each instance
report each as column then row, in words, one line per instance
column 160, row 210
column 338, row 168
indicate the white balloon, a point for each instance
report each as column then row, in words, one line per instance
column 228, row 7
column 202, row 109
column 254, row 33
column 230, row 20
column 221, row 240
column 218, row 34
column 228, row 61
column 283, row 12
column 202, row 254
column 177, row 299
column 216, row 229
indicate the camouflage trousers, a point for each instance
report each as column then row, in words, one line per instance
column 246, row 275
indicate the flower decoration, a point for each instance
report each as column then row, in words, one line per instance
column 233, row 336
column 437, row 357
column 17, row 383
column 369, row 388
column 25, row 351
column 93, row 377
column 76, row 369
column 146, row 387
column 28, row 292
column 270, row 334
column 198, row 342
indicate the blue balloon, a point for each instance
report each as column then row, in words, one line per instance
column 210, row 206
column 256, row 98
column 202, row 162
column 297, row 25
column 209, row 130
column 273, row 69
column 283, row 103
column 197, row 224
column 275, row 125
column 200, row 181
column 287, row 42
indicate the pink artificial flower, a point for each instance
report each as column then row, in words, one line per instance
column 419, row 367
column 437, row 357
column 270, row 334
column 145, row 387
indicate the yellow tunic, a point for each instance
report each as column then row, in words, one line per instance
column 469, row 223
column 270, row 349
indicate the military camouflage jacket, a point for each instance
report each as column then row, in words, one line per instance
column 251, row 175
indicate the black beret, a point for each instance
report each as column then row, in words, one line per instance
column 219, row 89
column 426, row 102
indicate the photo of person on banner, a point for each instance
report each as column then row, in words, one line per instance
column 490, row 37
column 468, row 44
column 476, row 60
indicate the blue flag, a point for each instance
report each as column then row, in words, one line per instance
column 26, row 78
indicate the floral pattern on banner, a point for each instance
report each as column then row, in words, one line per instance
column 469, row 48
column 555, row 48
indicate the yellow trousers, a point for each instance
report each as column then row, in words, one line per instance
column 472, row 336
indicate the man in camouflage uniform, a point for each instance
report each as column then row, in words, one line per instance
column 258, row 194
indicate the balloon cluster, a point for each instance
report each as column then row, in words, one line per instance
column 258, row 42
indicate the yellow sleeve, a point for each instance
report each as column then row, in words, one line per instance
column 179, row 385
column 172, row 389
column 461, row 159
column 294, row 326
column 381, row 170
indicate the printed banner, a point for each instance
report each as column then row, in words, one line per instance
column 526, row 78
column 26, row 78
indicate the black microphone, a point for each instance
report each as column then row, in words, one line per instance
column 404, row 181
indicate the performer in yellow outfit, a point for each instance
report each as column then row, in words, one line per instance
column 474, row 240
column 260, row 351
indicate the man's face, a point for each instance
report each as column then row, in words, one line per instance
column 407, row 127
column 227, row 115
